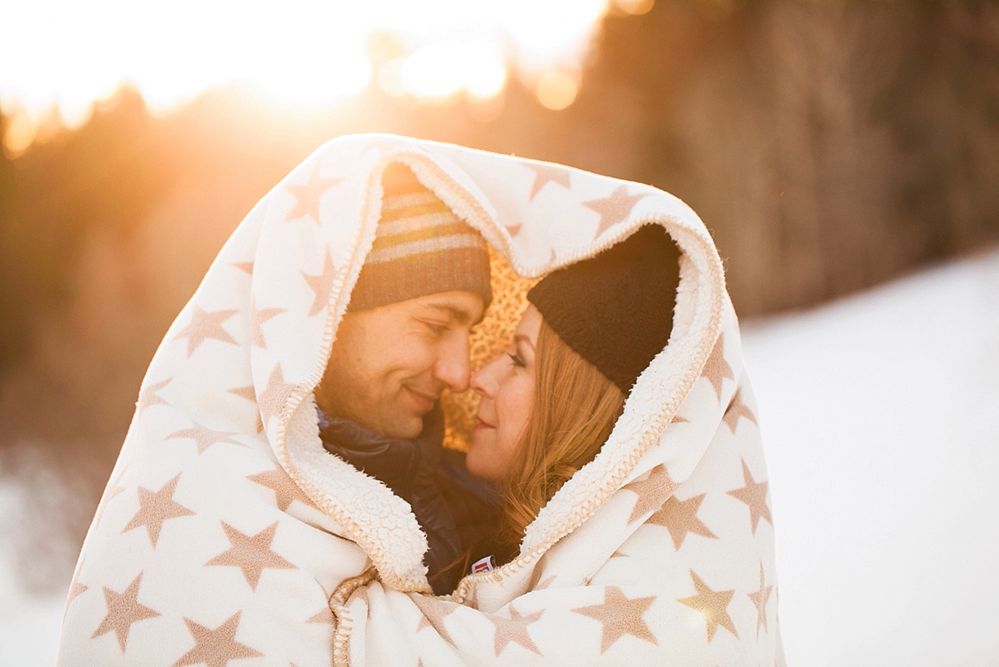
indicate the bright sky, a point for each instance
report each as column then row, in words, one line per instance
column 302, row 53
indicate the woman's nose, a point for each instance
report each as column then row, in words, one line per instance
column 483, row 381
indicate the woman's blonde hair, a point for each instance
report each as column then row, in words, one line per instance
column 574, row 411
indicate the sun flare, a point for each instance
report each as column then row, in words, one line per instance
column 303, row 54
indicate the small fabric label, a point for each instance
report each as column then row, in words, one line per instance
column 484, row 564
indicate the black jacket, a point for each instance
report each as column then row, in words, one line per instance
column 457, row 511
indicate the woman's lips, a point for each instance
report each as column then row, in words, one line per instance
column 482, row 424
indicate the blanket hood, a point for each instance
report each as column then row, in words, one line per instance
column 313, row 232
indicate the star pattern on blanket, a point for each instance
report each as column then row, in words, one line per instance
column 275, row 394
column 545, row 174
column 115, row 486
column 308, row 195
column 754, row 494
column 204, row 437
column 123, row 610
column 156, row 508
column 285, row 490
column 680, row 518
column 736, row 410
column 148, row 396
column 250, row 394
column 620, row 616
column 759, row 600
column 324, row 617
column 76, row 589
column 514, row 629
column 206, row 325
column 321, row 284
column 652, row 491
column 613, row 208
column 713, row 606
column 257, row 319
column 716, row 369
column 537, row 585
column 433, row 613
column 251, row 553
column 217, row 647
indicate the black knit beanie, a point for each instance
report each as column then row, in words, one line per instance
column 421, row 247
column 616, row 309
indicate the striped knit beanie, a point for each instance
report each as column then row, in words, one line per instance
column 421, row 247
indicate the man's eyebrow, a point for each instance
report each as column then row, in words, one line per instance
column 459, row 315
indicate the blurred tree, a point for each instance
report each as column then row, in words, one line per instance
column 829, row 146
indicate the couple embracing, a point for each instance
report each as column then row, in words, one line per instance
column 432, row 405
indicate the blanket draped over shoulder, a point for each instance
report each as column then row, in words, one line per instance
column 228, row 535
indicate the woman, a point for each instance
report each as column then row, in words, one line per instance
column 550, row 401
column 228, row 531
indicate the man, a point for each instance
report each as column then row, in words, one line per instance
column 404, row 340
column 208, row 544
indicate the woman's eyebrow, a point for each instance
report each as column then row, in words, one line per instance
column 521, row 338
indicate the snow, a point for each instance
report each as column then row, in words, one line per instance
column 29, row 625
column 880, row 416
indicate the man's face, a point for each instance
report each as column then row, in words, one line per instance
column 389, row 365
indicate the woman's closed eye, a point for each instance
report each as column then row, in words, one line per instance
column 516, row 359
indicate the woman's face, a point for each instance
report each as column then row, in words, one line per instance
column 506, row 385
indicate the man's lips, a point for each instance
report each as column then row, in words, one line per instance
column 424, row 401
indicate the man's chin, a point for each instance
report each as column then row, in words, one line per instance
column 408, row 427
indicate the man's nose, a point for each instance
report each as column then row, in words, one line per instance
column 453, row 365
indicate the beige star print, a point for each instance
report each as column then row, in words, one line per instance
column 620, row 616
column 652, row 491
column 545, row 174
column 736, row 410
column 716, row 369
column 250, row 553
column 321, row 284
column 514, row 630
column 285, row 490
column 123, row 610
column 613, row 208
column 217, row 647
column 680, row 518
column 206, row 325
column 754, row 494
column 205, row 437
column 713, row 605
column 307, row 195
column 155, row 508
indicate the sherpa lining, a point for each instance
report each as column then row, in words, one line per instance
column 381, row 522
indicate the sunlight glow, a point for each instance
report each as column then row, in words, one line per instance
column 301, row 54
column 556, row 90
column 636, row 7
column 444, row 69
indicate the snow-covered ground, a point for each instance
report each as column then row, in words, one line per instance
column 880, row 415
column 29, row 625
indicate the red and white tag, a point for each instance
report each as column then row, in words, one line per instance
column 484, row 564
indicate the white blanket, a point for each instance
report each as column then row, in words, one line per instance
column 227, row 534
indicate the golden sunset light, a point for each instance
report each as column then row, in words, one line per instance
column 306, row 54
